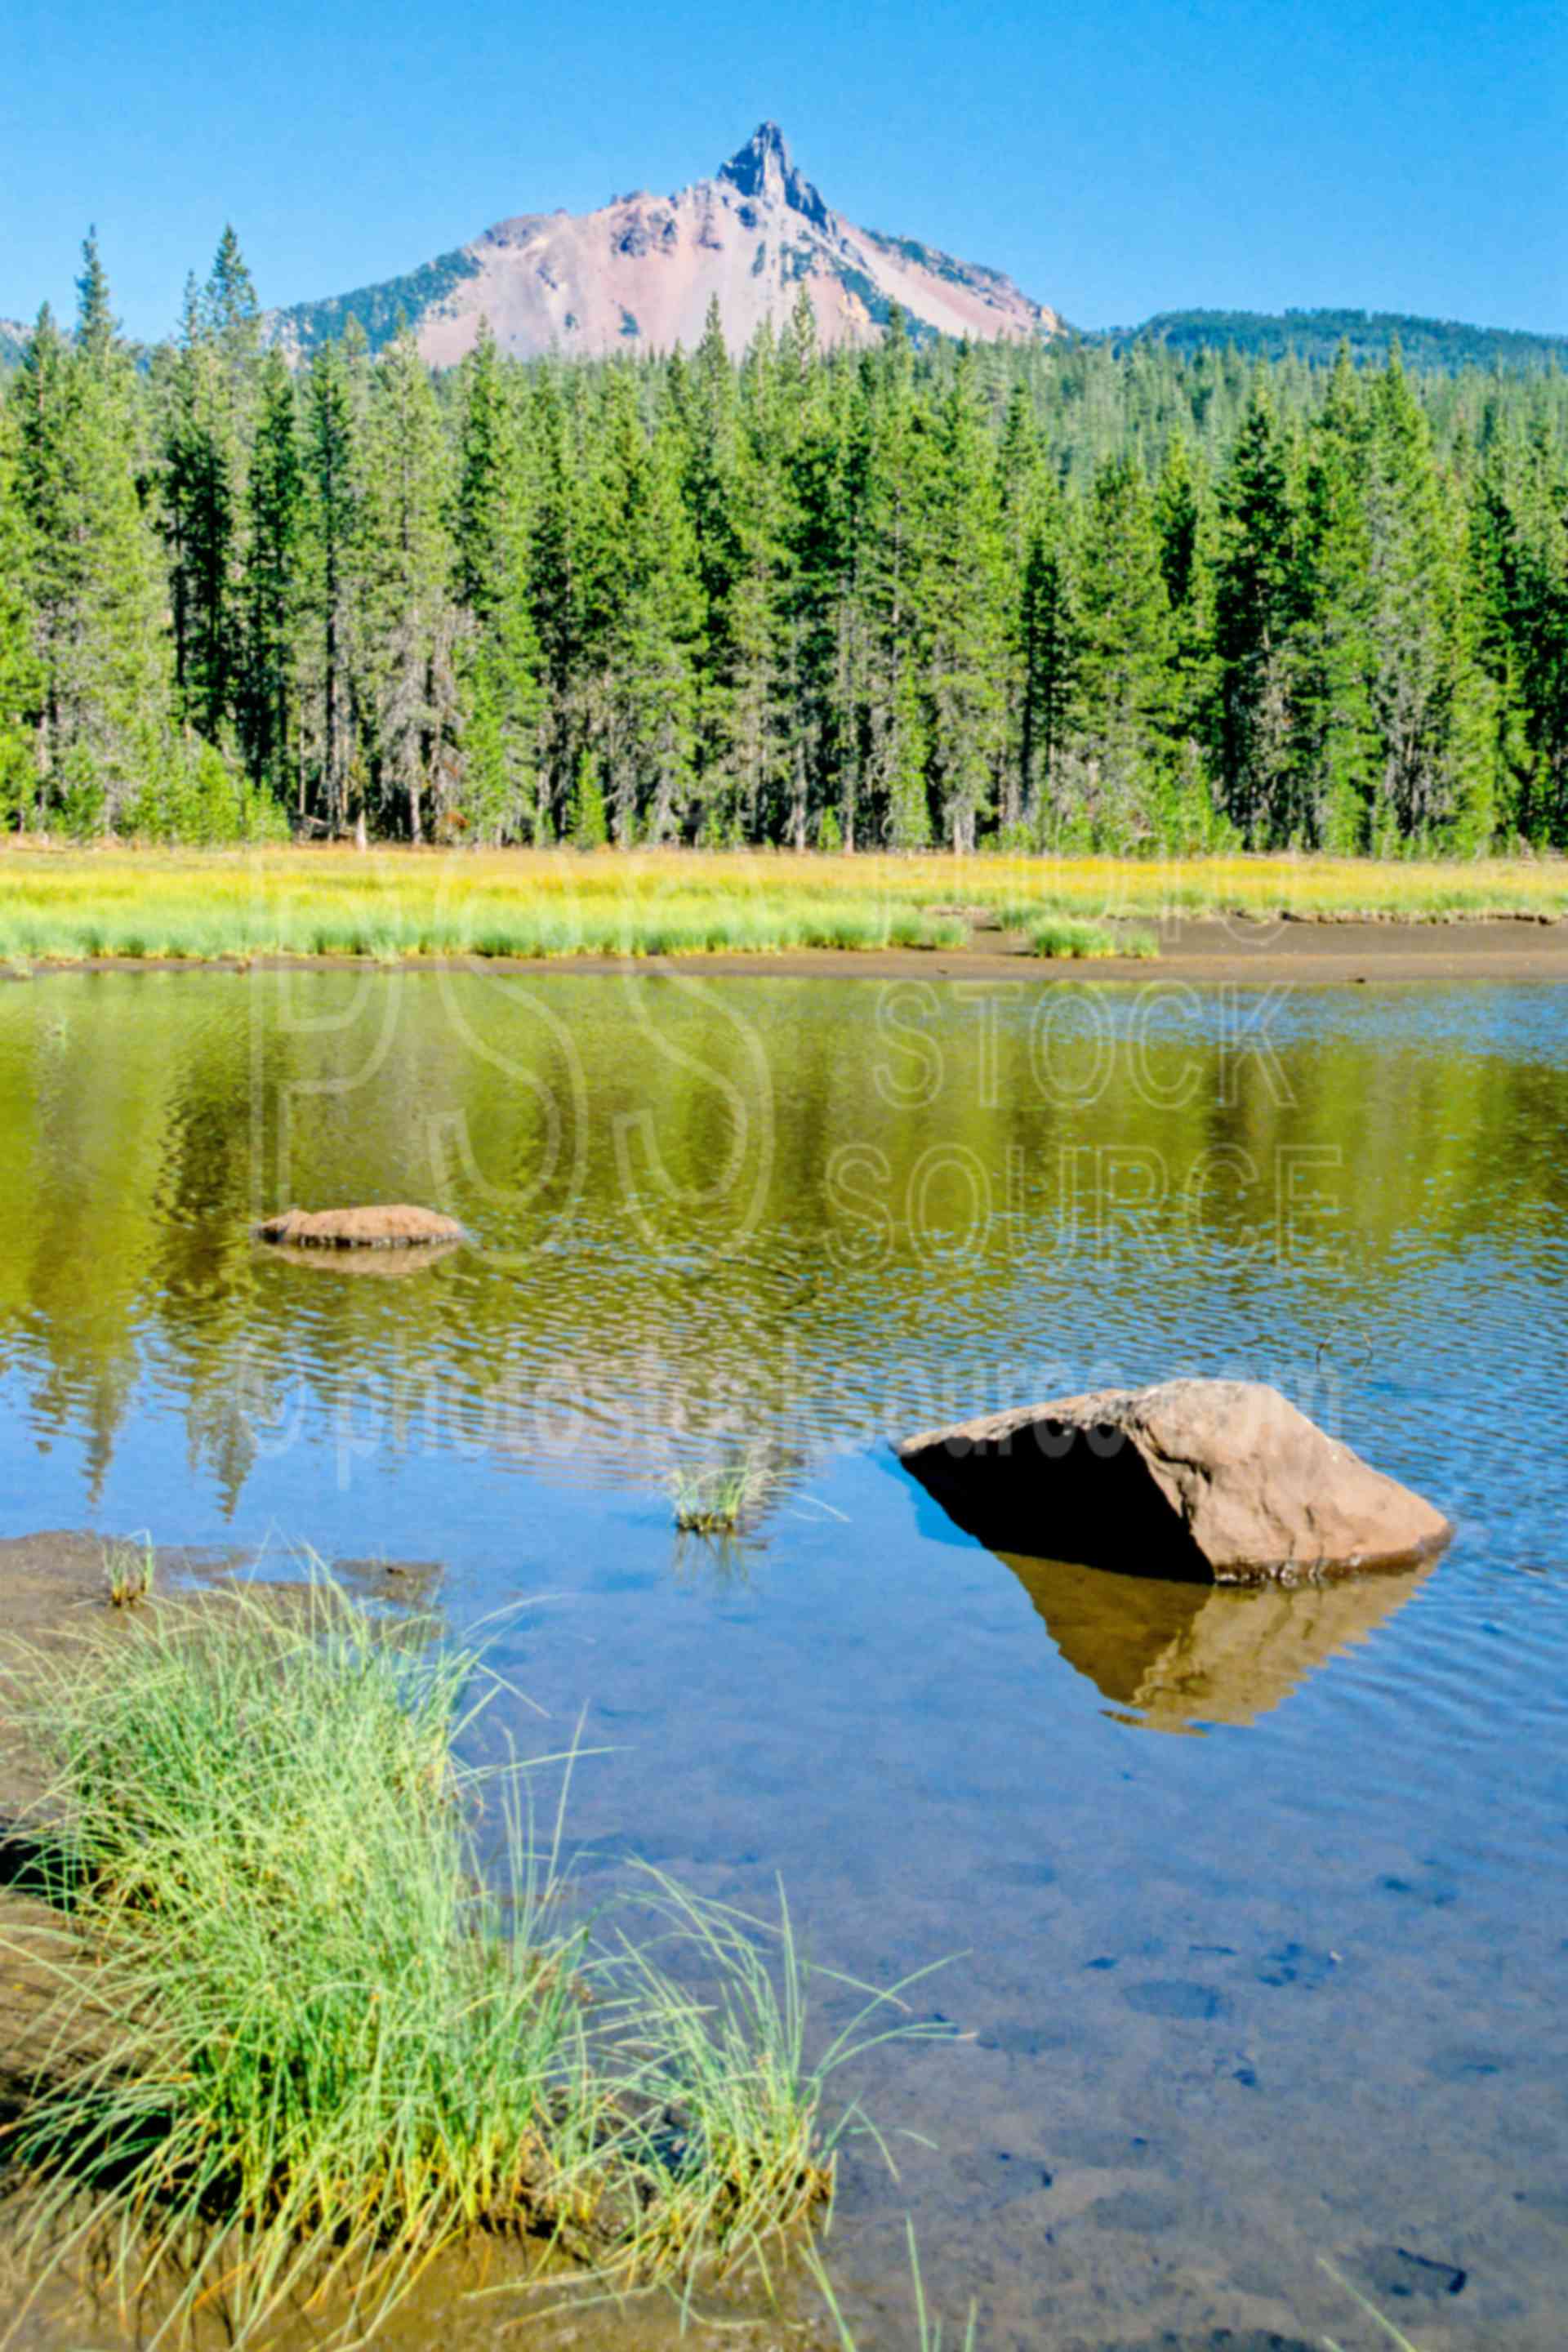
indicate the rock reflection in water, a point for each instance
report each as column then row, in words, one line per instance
column 1182, row 1656
column 392, row 1262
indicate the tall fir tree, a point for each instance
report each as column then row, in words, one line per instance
column 19, row 671
column 499, row 672
column 964, row 610
column 1256, row 605
column 1336, row 748
column 1424, row 687
column 407, row 620
column 103, row 709
column 331, row 542
column 268, row 704
column 1122, row 706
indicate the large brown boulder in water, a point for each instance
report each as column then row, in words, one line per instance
column 1219, row 1481
column 394, row 1227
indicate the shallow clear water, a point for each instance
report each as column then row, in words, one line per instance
column 1257, row 1898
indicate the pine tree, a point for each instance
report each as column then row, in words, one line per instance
column 639, row 604
column 198, row 484
column 499, row 668
column 892, row 505
column 1423, row 684
column 332, row 540
column 1183, row 518
column 963, row 610
column 1337, row 737
column 268, row 707
column 19, row 675
column 209, row 425
column 102, row 714
column 1518, row 562
column 406, row 616
column 1122, row 706
column 234, row 323
column 1038, row 619
column 554, row 608
column 1256, row 611
column 747, row 578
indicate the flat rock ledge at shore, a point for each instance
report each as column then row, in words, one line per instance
column 394, row 1227
column 1218, row 1481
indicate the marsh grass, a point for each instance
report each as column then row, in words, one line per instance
column 715, row 1500
column 318, row 2017
column 734, row 2152
column 391, row 906
column 1058, row 937
column 129, row 1572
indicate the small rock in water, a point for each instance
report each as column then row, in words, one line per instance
column 396, row 1226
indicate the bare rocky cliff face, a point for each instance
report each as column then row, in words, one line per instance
column 638, row 274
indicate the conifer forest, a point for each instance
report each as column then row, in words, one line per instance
column 1063, row 596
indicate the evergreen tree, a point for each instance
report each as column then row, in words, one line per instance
column 268, row 707
column 19, row 676
column 501, row 662
column 102, row 713
column 406, row 618
column 963, row 611
column 1336, row 736
column 1123, row 685
column 209, row 428
column 1255, row 610
column 1184, row 518
column 331, row 545
column 1424, row 685
column 639, row 603
column 199, row 473
column 892, row 508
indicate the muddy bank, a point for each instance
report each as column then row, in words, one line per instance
column 1296, row 948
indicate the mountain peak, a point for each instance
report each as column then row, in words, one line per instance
column 764, row 168
column 640, row 272
column 761, row 166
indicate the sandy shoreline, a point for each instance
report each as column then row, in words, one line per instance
column 1239, row 951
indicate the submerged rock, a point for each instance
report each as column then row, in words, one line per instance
column 394, row 1227
column 1214, row 1481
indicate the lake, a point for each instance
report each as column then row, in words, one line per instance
column 1251, row 1902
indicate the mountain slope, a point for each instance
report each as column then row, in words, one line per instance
column 638, row 274
column 13, row 335
column 1316, row 336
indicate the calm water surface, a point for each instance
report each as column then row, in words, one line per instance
column 1258, row 1899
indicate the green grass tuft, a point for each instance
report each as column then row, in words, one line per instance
column 310, row 2028
column 1058, row 936
column 714, row 1501
column 129, row 1572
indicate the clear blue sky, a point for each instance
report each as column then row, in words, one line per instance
column 1393, row 155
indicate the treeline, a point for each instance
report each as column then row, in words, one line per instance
column 1054, row 598
column 1316, row 336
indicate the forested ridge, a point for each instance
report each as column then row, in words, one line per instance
column 1064, row 597
column 1316, row 335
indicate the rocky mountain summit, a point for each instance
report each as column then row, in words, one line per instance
column 639, row 274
